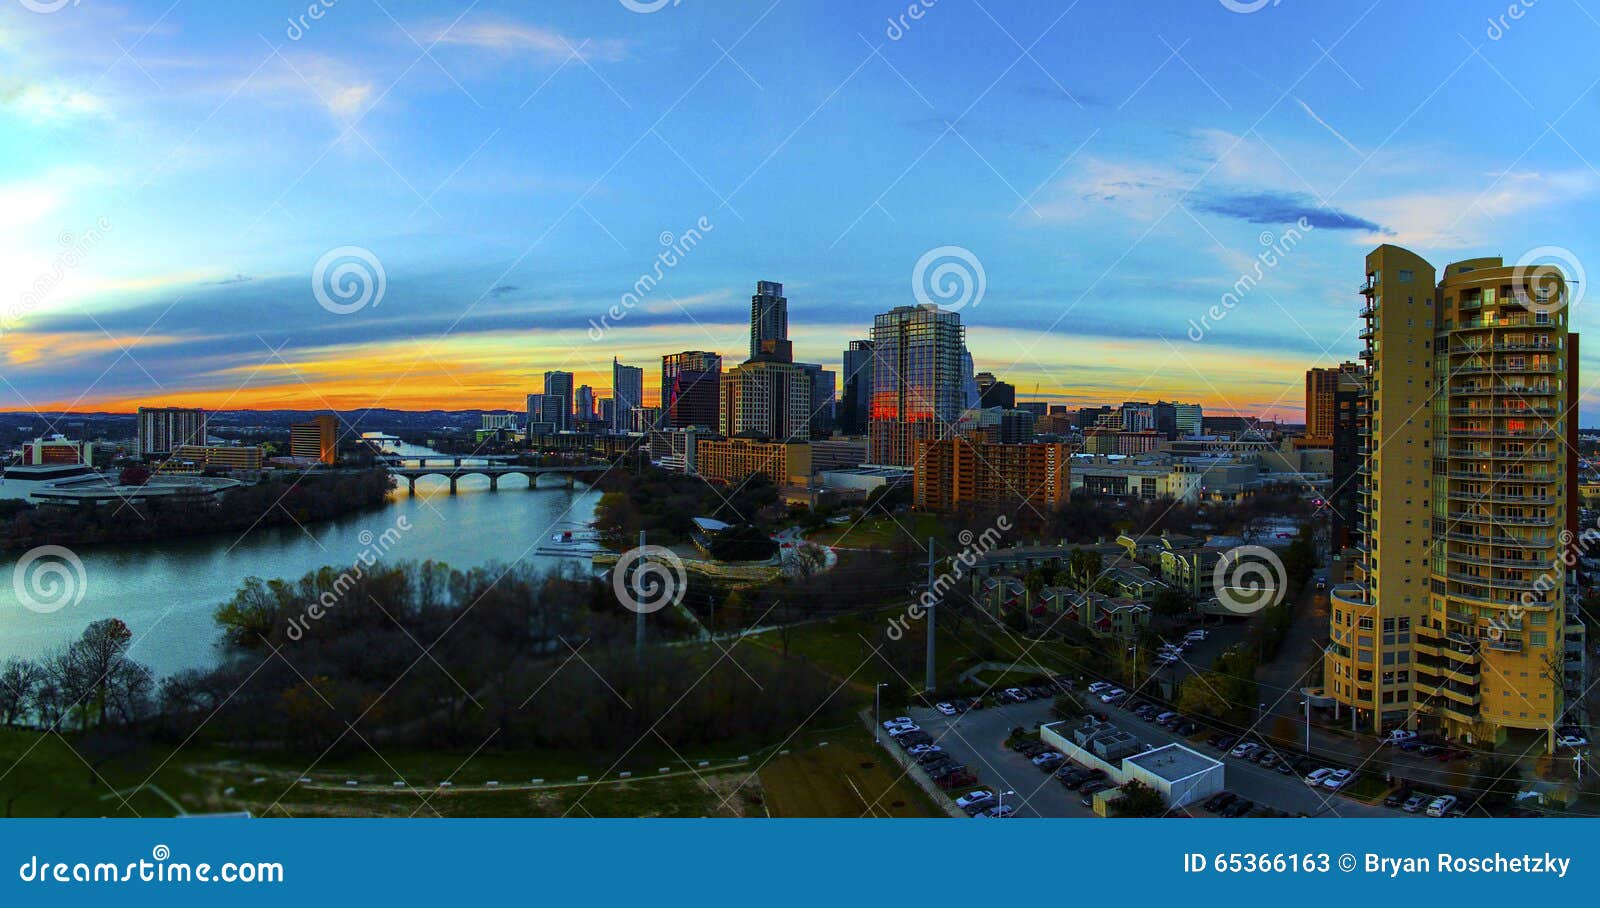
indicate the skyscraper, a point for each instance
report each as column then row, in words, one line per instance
column 163, row 429
column 583, row 406
column 1188, row 418
column 918, row 380
column 766, row 399
column 993, row 392
column 1456, row 621
column 824, row 385
column 1321, row 385
column 769, row 324
column 857, row 388
column 627, row 395
column 691, row 384
column 560, row 385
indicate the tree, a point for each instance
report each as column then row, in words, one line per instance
column 136, row 475
column 1084, row 566
column 1172, row 601
column 1136, row 799
column 19, row 682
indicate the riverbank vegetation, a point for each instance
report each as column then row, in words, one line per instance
column 303, row 498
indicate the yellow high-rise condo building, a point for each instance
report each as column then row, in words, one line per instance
column 1455, row 621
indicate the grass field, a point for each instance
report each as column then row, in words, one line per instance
column 880, row 532
column 847, row 778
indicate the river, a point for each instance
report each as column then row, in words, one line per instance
column 166, row 593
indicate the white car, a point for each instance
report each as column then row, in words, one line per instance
column 1441, row 805
column 1196, row 634
column 1098, row 687
column 1166, row 717
column 899, row 730
column 898, row 721
column 1315, row 777
column 974, row 797
column 1338, row 779
column 1244, row 750
column 1399, row 736
column 945, row 709
column 918, row 750
column 1113, row 695
column 1572, row 740
column 1016, row 694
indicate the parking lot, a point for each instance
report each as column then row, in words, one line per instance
column 978, row 739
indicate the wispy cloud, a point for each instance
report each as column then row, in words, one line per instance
column 506, row 37
column 1283, row 208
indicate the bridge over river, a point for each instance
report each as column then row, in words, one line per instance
column 452, row 469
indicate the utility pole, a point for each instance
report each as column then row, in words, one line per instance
column 1308, row 724
column 931, row 683
column 638, row 620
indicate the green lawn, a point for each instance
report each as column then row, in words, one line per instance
column 881, row 532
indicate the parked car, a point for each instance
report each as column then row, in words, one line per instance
column 1048, row 760
column 920, row 749
column 1398, row 796
column 1572, row 740
column 1316, row 776
column 1219, row 801
column 1185, row 728
column 945, row 709
column 1399, row 736
column 1099, row 687
column 1441, row 805
column 897, row 722
column 1243, row 751
column 1268, row 760
column 1338, row 779
column 1415, row 803
column 1238, row 808
column 1016, row 695
column 1166, row 717
column 959, row 778
column 899, row 730
column 1115, row 695
column 1198, row 633
column 974, row 797
column 999, row 812
column 1089, row 789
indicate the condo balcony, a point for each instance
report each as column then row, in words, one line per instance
column 1504, row 476
column 1524, row 564
column 1525, row 456
column 1529, row 412
column 1351, row 595
column 1499, row 520
column 1505, row 390
column 1505, row 646
column 1531, row 499
column 1540, row 432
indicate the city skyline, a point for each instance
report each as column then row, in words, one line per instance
column 1113, row 199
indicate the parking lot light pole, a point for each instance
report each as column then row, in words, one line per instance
column 877, row 709
column 1000, row 807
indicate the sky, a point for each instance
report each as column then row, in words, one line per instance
column 415, row 205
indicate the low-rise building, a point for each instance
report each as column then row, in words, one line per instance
column 733, row 460
column 957, row 471
column 214, row 457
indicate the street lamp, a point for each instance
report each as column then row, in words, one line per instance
column 999, row 810
column 877, row 706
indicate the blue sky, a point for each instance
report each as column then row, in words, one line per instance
column 1114, row 168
